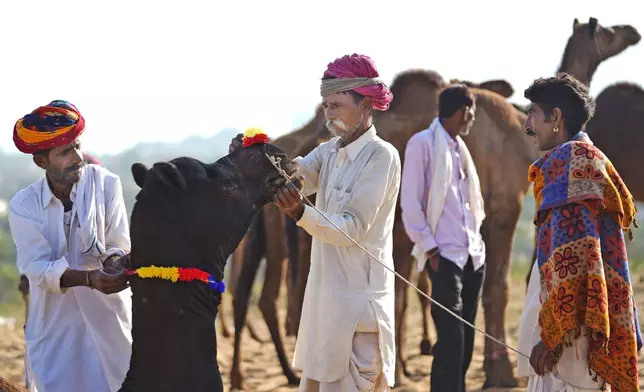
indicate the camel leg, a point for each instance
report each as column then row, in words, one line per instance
column 304, row 265
column 403, row 264
column 252, row 255
column 423, row 285
column 498, row 231
column 236, row 260
column 226, row 331
column 275, row 260
column 303, row 259
column 268, row 307
column 292, row 312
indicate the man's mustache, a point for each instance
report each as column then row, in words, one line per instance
column 75, row 167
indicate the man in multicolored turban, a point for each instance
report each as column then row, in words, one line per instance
column 72, row 239
column 580, row 319
column 346, row 335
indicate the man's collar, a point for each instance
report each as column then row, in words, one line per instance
column 450, row 140
column 47, row 194
column 354, row 148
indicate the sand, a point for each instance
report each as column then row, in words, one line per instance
column 262, row 369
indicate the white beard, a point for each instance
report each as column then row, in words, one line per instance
column 339, row 128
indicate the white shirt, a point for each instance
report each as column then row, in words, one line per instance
column 77, row 339
column 357, row 188
column 457, row 236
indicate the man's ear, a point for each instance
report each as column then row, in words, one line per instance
column 557, row 116
column 366, row 104
column 40, row 160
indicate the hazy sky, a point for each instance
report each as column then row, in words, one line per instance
column 161, row 71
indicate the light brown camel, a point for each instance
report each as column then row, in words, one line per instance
column 10, row 386
column 614, row 128
column 413, row 108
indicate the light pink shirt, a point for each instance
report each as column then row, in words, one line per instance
column 456, row 234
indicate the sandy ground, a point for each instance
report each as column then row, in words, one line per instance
column 262, row 369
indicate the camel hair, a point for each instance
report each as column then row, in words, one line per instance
column 502, row 153
column 10, row 386
column 190, row 214
column 616, row 128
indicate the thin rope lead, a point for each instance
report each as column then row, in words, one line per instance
column 277, row 163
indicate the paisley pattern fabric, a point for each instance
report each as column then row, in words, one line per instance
column 583, row 211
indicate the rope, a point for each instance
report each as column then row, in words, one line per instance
column 277, row 163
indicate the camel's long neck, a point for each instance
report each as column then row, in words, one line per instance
column 578, row 63
column 174, row 343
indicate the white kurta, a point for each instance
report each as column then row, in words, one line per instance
column 357, row 187
column 77, row 339
column 571, row 372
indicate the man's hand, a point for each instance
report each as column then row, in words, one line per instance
column 541, row 360
column 107, row 282
column 289, row 201
column 236, row 143
column 433, row 256
column 115, row 264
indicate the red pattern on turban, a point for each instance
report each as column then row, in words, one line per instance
column 361, row 66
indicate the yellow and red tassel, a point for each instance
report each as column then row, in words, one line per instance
column 254, row 136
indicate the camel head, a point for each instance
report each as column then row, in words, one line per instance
column 604, row 42
column 592, row 43
column 189, row 213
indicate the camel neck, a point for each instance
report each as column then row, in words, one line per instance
column 579, row 65
column 174, row 343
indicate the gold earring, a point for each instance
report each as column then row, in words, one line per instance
column 555, row 129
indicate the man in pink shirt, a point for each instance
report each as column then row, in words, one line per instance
column 442, row 211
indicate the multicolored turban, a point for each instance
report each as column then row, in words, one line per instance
column 358, row 73
column 57, row 124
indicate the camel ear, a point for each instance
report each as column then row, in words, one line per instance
column 501, row 87
column 139, row 172
column 593, row 26
column 575, row 24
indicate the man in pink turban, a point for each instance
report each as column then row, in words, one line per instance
column 345, row 340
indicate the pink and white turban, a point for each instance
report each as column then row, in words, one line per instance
column 357, row 73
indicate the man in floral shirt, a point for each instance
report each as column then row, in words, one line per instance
column 579, row 323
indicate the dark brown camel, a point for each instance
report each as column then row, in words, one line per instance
column 614, row 128
column 412, row 110
column 189, row 214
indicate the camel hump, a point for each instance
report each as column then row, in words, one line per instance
column 499, row 86
column 139, row 172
